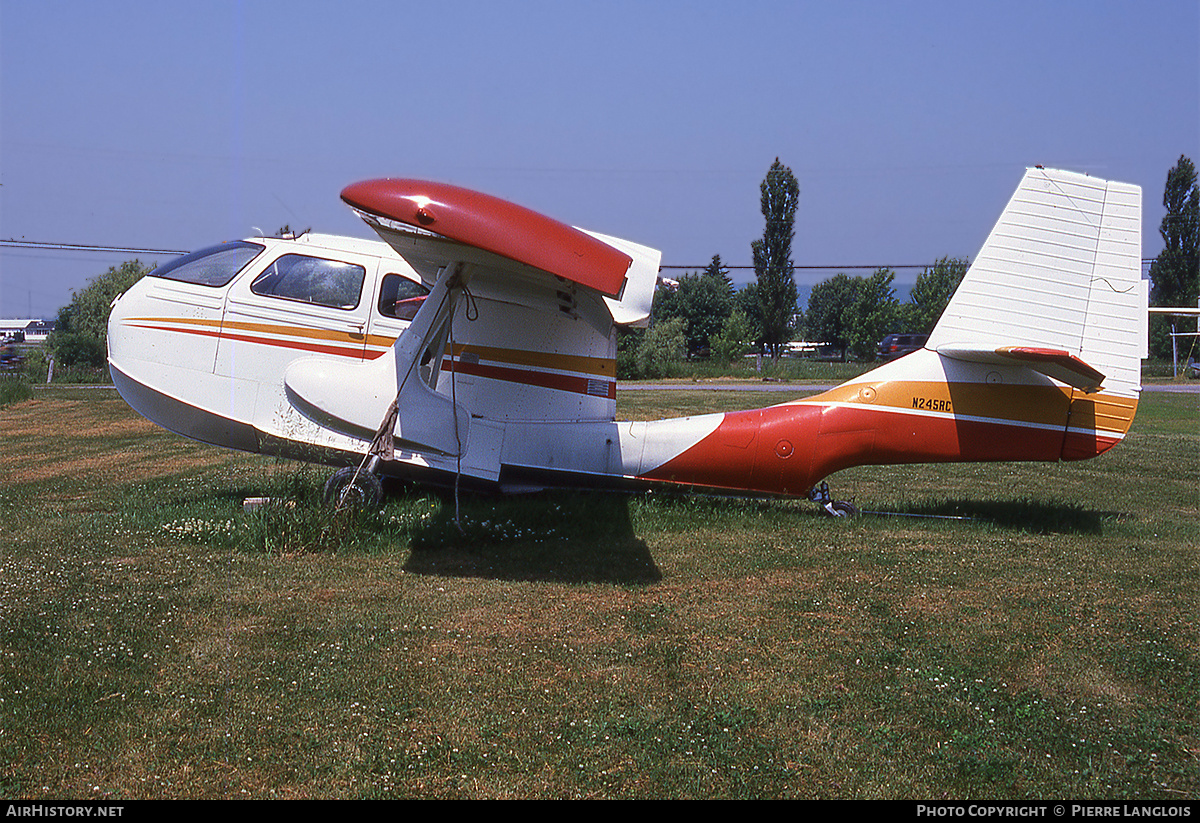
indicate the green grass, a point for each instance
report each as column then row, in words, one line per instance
column 14, row 390
column 785, row 370
column 156, row 641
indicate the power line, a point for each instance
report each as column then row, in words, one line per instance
column 806, row 268
column 1146, row 261
column 80, row 247
column 31, row 244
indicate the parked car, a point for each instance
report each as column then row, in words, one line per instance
column 898, row 345
column 11, row 358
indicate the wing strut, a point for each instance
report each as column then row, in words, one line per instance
column 422, row 353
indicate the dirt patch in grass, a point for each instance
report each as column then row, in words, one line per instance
column 103, row 442
column 42, row 417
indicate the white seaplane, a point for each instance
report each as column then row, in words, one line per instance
column 477, row 345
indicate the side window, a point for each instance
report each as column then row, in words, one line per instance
column 400, row 297
column 312, row 280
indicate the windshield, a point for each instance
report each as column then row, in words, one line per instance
column 214, row 266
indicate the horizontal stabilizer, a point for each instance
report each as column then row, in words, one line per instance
column 1056, row 363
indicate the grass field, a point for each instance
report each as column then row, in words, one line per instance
column 1036, row 636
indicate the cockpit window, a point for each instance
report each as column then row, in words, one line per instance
column 312, row 280
column 400, row 297
column 214, row 266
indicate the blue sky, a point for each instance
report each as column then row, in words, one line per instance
column 172, row 126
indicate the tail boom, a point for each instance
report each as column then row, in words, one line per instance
column 886, row 418
column 1037, row 357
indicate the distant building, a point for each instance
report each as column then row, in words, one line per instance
column 33, row 331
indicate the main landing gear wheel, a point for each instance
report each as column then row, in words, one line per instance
column 835, row 508
column 353, row 488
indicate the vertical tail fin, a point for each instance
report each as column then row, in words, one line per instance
column 1060, row 272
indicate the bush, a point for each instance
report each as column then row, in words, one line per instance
column 662, row 350
column 79, row 349
column 735, row 340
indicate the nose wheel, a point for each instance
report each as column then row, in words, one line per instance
column 835, row 508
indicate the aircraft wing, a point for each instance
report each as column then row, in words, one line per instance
column 519, row 325
column 432, row 225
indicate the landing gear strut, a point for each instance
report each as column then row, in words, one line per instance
column 836, row 508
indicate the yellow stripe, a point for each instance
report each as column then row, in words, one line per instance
column 1046, row 405
column 1100, row 412
column 260, row 328
column 383, row 341
column 1040, row 405
column 598, row 366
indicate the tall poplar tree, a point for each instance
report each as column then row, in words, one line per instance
column 776, row 291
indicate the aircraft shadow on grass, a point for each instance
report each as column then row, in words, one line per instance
column 1033, row 516
column 581, row 537
column 536, row 541
column 570, row 538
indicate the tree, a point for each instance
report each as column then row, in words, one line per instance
column 873, row 313
column 827, row 304
column 81, row 331
column 776, row 292
column 661, row 349
column 930, row 294
column 735, row 340
column 1174, row 275
column 853, row 313
column 702, row 301
column 745, row 300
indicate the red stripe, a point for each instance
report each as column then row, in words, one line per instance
column 1085, row 445
column 545, row 380
column 263, row 341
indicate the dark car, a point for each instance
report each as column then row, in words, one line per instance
column 11, row 359
column 898, row 345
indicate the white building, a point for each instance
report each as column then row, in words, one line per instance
column 35, row 331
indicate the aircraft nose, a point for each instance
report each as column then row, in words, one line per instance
column 138, row 327
column 121, row 310
column 115, row 332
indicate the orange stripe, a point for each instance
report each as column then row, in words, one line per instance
column 261, row 328
column 1037, row 405
column 354, row 350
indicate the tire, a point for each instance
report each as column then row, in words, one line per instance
column 352, row 488
column 843, row 509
